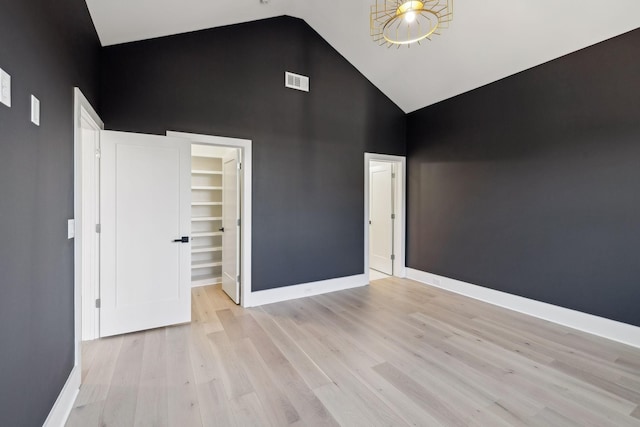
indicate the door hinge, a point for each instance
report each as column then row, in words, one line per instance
column 98, row 228
column 393, row 175
column 98, row 153
column 238, row 222
column 393, row 216
column 98, row 303
column 238, row 278
column 239, row 166
column 393, row 257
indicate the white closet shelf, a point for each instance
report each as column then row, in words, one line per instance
column 202, row 249
column 206, row 264
column 206, row 218
column 205, row 172
column 207, row 234
column 206, row 178
column 205, row 187
column 206, row 203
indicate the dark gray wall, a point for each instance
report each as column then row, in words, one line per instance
column 531, row 185
column 308, row 174
column 48, row 48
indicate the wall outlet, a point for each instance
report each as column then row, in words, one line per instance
column 5, row 88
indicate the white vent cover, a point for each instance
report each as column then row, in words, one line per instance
column 296, row 81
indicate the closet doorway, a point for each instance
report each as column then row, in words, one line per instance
column 215, row 218
column 221, row 213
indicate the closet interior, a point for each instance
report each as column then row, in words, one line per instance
column 206, row 214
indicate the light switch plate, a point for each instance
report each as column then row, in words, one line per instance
column 71, row 228
column 35, row 110
column 5, row 88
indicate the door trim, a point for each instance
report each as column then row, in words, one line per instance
column 245, row 209
column 89, row 194
column 64, row 403
column 82, row 110
column 399, row 228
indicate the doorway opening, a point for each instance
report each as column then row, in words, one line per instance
column 221, row 209
column 215, row 218
column 384, row 252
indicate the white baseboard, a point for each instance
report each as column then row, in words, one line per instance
column 285, row 293
column 64, row 403
column 606, row 328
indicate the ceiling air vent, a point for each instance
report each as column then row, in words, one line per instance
column 296, row 81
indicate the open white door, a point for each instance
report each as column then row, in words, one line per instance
column 145, row 212
column 231, row 226
column 380, row 213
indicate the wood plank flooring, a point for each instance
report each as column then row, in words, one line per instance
column 394, row 353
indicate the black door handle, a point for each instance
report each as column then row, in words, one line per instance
column 221, row 229
column 183, row 239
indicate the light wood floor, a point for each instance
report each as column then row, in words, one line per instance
column 394, row 353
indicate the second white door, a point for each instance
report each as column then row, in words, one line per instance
column 380, row 217
column 231, row 226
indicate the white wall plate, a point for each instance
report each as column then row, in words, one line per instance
column 5, row 88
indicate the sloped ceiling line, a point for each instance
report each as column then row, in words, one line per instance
column 487, row 40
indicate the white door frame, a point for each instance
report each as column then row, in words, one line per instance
column 83, row 113
column 399, row 229
column 245, row 209
column 64, row 403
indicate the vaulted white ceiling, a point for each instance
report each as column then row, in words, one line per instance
column 487, row 40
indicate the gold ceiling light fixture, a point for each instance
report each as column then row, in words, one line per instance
column 407, row 22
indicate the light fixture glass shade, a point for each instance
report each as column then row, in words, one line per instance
column 406, row 22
